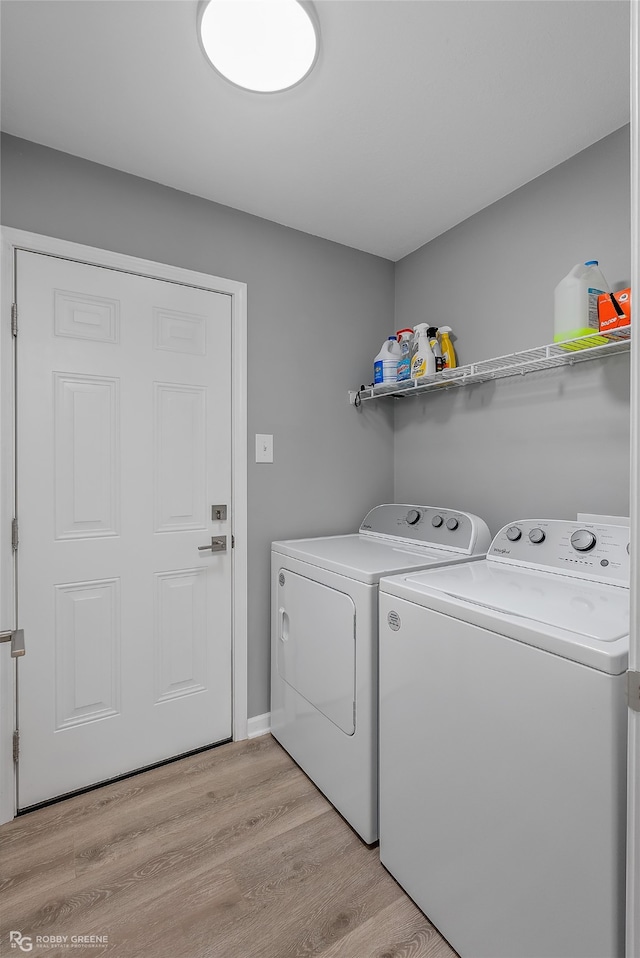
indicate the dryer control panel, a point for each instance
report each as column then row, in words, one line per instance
column 430, row 526
column 583, row 550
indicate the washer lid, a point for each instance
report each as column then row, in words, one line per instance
column 583, row 621
column 363, row 557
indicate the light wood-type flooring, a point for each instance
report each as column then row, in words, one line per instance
column 231, row 853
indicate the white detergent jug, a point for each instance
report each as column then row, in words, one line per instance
column 576, row 301
column 385, row 365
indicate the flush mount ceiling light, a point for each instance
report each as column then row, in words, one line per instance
column 261, row 45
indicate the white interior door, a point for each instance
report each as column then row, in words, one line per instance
column 123, row 448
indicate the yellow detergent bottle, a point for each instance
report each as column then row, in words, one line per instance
column 446, row 347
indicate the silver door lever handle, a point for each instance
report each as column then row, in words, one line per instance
column 17, row 642
column 218, row 544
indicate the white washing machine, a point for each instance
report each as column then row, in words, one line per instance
column 503, row 742
column 324, row 642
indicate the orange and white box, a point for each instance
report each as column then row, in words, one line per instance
column 608, row 315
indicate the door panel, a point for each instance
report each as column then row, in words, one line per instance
column 87, row 651
column 180, row 446
column 123, row 445
column 86, row 435
column 317, row 646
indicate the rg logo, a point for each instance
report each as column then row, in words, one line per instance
column 21, row 941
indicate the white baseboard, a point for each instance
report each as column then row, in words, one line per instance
column 259, row 725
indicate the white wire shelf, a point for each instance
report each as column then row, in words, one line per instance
column 514, row 364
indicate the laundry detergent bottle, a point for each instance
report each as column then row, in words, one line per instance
column 423, row 362
column 432, row 333
column 446, row 347
column 576, row 301
column 385, row 365
column 405, row 338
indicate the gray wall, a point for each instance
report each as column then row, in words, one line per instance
column 317, row 314
column 549, row 444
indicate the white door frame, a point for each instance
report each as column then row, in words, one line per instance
column 13, row 239
column 633, row 799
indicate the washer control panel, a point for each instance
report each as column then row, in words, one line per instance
column 584, row 550
column 428, row 526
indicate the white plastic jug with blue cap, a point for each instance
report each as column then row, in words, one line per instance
column 385, row 365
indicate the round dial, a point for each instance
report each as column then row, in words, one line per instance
column 412, row 517
column 437, row 521
column 536, row 536
column 513, row 533
column 452, row 524
column 583, row 540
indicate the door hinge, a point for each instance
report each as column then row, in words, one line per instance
column 14, row 534
column 633, row 690
column 16, row 745
column 14, row 319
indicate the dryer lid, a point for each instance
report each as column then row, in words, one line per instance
column 363, row 558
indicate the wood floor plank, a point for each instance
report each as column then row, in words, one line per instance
column 318, row 912
column 398, row 931
column 231, row 853
column 41, row 868
column 164, row 826
column 295, row 857
column 199, row 844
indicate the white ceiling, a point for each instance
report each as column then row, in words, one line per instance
column 418, row 113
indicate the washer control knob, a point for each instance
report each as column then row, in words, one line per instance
column 452, row 524
column 513, row 533
column 437, row 521
column 412, row 517
column 537, row 536
column 583, row 540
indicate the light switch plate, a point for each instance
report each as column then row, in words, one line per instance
column 264, row 448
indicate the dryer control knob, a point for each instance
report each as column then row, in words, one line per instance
column 513, row 533
column 437, row 521
column 412, row 517
column 452, row 524
column 537, row 536
column 583, row 540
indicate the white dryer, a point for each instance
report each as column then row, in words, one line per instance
column 503, row 742
column 324, row 642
